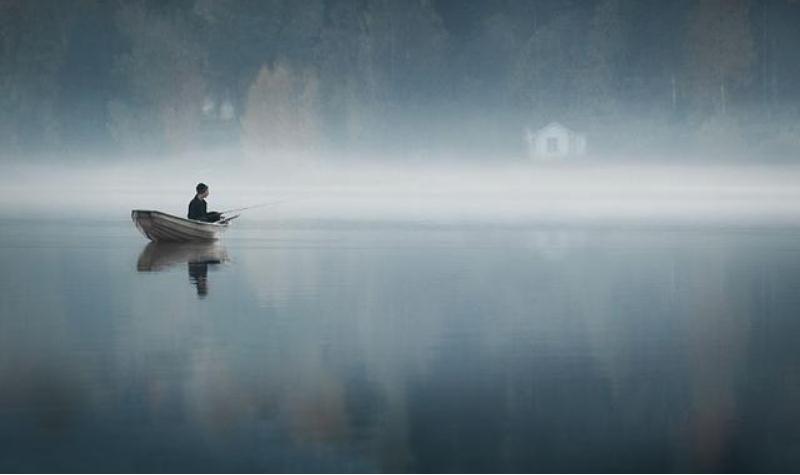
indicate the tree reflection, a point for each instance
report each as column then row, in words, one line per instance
column 653, row 352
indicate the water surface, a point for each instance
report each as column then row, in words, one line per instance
column 324, row 347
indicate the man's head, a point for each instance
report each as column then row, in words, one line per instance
column 202, row 190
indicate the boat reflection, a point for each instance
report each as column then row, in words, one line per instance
column 160, row 256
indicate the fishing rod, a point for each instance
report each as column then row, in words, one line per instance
column 260, row 205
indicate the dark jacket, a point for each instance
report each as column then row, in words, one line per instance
column 197, row 209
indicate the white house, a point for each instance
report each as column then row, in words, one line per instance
column 554, row 141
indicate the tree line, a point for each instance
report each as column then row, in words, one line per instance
column 414, row 76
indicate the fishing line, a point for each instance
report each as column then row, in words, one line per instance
column 260, row 205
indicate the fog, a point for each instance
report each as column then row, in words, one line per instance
column 541, row 111
column 477, row 194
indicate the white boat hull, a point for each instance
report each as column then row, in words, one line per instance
column 163, row 227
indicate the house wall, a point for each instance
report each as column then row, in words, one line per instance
column 560, row 135
column 568, row 143
column 578, row 144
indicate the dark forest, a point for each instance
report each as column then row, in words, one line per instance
column 643, row 78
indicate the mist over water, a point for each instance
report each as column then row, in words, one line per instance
column 482, row 236
column 523, row 193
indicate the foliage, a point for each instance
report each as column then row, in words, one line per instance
column 280, row 118
column 720, row 52
column 162, row 72
column 363, row 74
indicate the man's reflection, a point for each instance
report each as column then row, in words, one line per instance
column 198, row 275
column 198, row 256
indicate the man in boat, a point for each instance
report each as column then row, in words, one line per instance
column 197, row 207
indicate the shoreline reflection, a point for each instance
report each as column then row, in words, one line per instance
column 332, row 350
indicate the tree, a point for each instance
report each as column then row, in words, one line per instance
column 379, row 61
column 280, row 120
column 549, row 70
column 32, row 51
column 605, row 53
column 242, row 36
column 162, row 71
column 86, row 82
column 720, row 52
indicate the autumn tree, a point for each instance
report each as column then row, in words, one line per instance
column 280, row 123
column 240, row 37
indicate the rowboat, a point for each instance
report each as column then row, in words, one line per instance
column 158, row 226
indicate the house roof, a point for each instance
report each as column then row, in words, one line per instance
column 571, row 122
column 551, row 126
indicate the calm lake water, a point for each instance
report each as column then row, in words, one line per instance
column 399, row 348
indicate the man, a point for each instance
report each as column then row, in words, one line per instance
column 197, row 207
